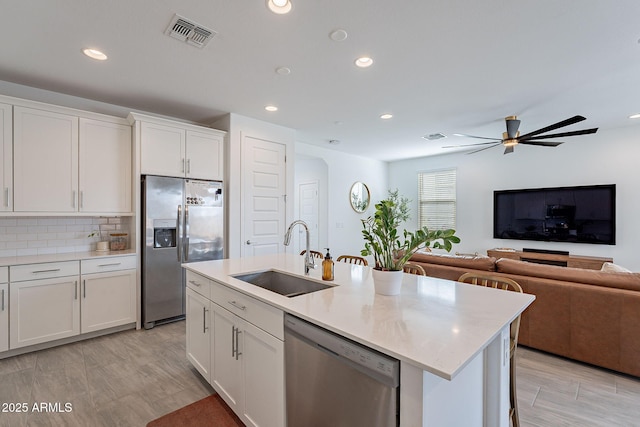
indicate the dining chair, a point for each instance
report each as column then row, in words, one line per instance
column 505, row 283
column 352, row 259
column 314, row 254
column 412, row 268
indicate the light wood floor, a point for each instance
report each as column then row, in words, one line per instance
column 130, row 378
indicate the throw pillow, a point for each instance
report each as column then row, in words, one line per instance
column 609, row 267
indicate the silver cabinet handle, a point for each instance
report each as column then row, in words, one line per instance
column 238, row 332
column 75, row 295
column 204, row 320
column 45, row 271
column 6, row 196
column 182, row 170
column 81, row 199
column 237, row 305
column 188, row 165
column 84, row 288
column 73, row 199
column 109, row 265
column 233, row 341
column 3, row 300
column 193, row 282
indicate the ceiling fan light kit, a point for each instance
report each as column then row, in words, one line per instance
column 512, row 136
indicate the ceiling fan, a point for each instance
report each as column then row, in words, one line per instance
column 512, row 136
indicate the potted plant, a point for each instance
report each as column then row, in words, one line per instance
column 390, row 249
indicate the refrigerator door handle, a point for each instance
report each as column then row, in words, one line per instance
column 186, row 233
column 179, row 233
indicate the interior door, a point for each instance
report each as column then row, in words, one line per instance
column 263, row 196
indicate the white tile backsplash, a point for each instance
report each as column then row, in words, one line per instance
column 50, row 235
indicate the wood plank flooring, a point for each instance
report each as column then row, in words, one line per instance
column 132, row 377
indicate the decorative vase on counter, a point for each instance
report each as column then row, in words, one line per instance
column 387, row 282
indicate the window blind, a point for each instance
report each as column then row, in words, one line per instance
column 437, row 195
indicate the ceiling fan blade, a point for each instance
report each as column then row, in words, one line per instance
column 485, row 148
column 567, row 122
column 559, row 135
column 508, row 150
column 471, row 145
column 477, row 137
column 512, row 127
column 541, row 143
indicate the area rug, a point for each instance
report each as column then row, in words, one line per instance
column 210, row 411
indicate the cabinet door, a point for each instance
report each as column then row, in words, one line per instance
column 108, row 300
column 105, row 167
column 6, row 164
column 204, row 155
column 263, row 375
column 45, row 168
column 4, row 317
column 43, row 310
column 162, row 150
column 199, row 333
column 225, row 359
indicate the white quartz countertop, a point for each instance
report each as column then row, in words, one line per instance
column 434, row 324
column 71, row 256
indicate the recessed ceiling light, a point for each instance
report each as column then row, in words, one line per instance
column 386, row 116
column 338, row 35
column 271, row 108
column 635, row 116
column 279, row 6
column 95, row 54
column 283, row 71
column 364, row 62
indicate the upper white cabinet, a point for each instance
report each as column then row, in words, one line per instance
column 182, row 150
column 105, row 167
column 45, row 162
column 63, row 163
column 6, row 164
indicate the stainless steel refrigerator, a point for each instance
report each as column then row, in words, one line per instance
column 183, row 222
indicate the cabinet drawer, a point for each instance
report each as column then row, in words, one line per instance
column 4, row 274
column 45, row 270
column 199, row 284
column 99, row 265
column 262, row 315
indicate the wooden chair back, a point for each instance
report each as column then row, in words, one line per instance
column 352, row 259
column 413, row 268
column 314, row 254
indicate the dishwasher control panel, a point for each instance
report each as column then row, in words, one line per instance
column 368, row 358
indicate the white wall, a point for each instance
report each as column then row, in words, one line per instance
column 608, row 157
column 309, row 170
column 344, row 227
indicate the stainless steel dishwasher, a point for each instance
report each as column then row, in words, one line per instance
column 334, row 382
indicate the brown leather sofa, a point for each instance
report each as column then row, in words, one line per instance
column 586, row 315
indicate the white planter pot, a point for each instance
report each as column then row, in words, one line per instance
column 387, row 282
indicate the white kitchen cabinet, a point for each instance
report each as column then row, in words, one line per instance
column 198, row 331
column 46, row 308
column 104, row 167
column 4, row 309
column 6, row 164
column 174, row 149
column 45, row 161
column 108, row 293
column 247, row 362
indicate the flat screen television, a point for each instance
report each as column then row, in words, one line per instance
column 584, row 214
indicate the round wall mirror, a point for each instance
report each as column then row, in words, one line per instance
column 359, row 197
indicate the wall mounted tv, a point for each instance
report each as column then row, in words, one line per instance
column 585, row 214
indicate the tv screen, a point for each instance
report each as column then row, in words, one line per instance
column 585, row 214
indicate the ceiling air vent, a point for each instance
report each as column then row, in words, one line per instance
column 188, row 31
column 434, row 136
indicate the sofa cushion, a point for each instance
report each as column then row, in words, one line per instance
column 476, row 262
column 577, row 275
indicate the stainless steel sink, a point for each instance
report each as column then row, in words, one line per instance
column 282, row 283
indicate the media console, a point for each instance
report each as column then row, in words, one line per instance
column 551, row 258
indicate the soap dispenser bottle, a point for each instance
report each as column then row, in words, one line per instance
column 327, row 267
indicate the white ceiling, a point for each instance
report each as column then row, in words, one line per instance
column 450, row 66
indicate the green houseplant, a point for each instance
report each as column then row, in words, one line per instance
column 390, row 249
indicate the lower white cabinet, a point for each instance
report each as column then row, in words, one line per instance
column 4, row 309
column 108, row 300
column 199, row 333
column 43, row 310
column 246, row 362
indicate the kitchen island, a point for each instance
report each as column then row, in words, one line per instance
column 452, row 339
